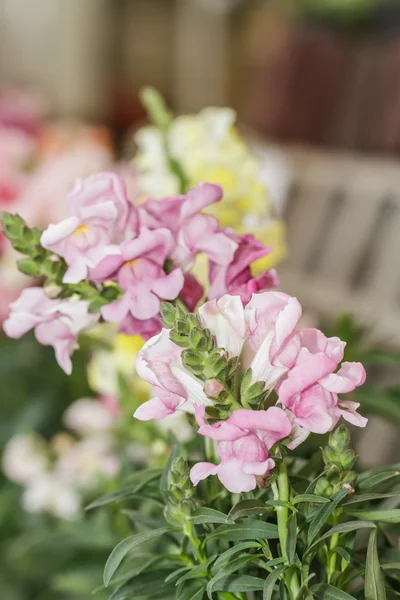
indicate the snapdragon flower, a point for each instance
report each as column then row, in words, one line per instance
column 56, row 323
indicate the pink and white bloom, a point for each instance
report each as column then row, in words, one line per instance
column 244, row 442
column 100, row 214
column 143, row 279
column 194, row 232
column 310, row 389
column 50, row 493
column 56, row 323
column 265, row 328
column 90, row 415
column 235, row 277
column 159, row 363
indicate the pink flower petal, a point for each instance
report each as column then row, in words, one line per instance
column 349, row 376
column 201, row 471
column 168, row 287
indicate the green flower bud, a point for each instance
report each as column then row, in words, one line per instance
column 174, row 516
column 168, row 314
column 182, row 326
column 347, row 459
column 179, row 339
column 323, row 488
column 28, row 266
column 339, row 439
column 192, row 358
column 198, row 339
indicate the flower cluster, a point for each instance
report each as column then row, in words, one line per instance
column 138, row 255
column 39, row 162
column 57, row 474
column 199, row 373
column 208, row 147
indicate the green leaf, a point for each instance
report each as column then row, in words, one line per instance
column 236, row 564
column 130, row 543
column 366, row 482
column 382, row 516
column 291, row 537
column 193, row 591
column 225, row 556
column 175, row 575
column 309, row 498
column 343, row 528
column 140, row 479
column 198, row 571
column 368, row 497
column 388, row 566
column 208, row 515
column 246, row 530
column 324, row 591
column 270, row 582
column 374, row 587
column 241, row 583
column 150, row 582
column 247, row 507
column 324, row 513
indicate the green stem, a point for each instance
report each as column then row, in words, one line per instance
column 282, row 492
column 331, row 566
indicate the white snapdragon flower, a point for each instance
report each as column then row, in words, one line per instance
column 87, row 416
column 25, row 458
column 88, row 461
column 49, row 493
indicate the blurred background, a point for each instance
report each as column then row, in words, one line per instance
column 316, row 87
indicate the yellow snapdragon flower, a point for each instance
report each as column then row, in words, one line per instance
column 209, row 148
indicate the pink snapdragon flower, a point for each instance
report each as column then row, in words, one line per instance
column 266, row 329
column 235, row 277
column 159, row 363
column 244, row 442
column 142, row 277
column 100, row 214
column 310, row 389
column 194, row 232
column 56, row 323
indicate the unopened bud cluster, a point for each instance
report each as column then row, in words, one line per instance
column 41, row 263
column 339, row 460
column 182, row 502
column 200, row 356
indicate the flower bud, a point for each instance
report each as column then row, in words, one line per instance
column 323, row 488
column 347, row 459
column 192, row 358
column 339, row 439
column 29, row 267
column 168, row 314
column 213, row 387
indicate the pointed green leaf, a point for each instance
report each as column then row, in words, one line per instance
column 324, row 591
column 369, row 482
column 192, row 591
column 208, row 515
column 198, row 571
column 374, row 587
column 271, row 581
column 382, row 516
column 246, row 530
column 323, row 514
column 344, row 528
column 241, row 583
column 236, row 564
column 368, row 497
column 247, row 507
column 309, row 498
column 225, row 556
column 130, row 543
